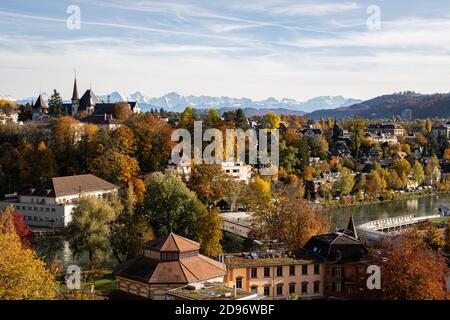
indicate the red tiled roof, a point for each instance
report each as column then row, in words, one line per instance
column 172, row 243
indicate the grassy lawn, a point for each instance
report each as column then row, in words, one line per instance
column 107, row 284
column 440, row 220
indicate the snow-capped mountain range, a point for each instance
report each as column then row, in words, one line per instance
column 176, row 102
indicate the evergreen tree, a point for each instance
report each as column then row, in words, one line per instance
column 55, row 105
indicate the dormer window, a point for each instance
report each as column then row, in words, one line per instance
column 169, row 256
column 338, row 255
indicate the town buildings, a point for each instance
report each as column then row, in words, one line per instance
column 167, row 263
column 276, row 276
column 94, row 110
column 51, row 205
column 238, row 170
column 344, row 258
column 441, row 130
column 386, row 129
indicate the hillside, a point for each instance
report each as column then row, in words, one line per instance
column 389, row 106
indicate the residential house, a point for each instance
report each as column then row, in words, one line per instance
column 440, row 129
column 386, row 129
column 345, row 259
column 51, row 205
column 238, row 170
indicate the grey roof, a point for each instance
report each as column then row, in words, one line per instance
column 89, row 99
column 75, row 90
column 62, row 186
column 40, row 103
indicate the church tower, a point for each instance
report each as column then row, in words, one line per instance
column 75, row 99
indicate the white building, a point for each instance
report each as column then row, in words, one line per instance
column 183, row 169
column 238, row 169
column 51, row 206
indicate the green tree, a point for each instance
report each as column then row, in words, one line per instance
column 171, row 206
column 357, row 129
column 288, row 157
column 344, row 185
column 130, row 230
column 55, row 105
column 89, row 230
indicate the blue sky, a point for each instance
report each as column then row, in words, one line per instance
column 281, row 48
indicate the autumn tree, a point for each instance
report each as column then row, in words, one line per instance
column 121, row 110
column 410, row 270
column 271, row 121
column 345, row 183
column 116, row 168
column 418, row 173
column 210, row 232
column 447, row 237
column 22, row 275
column 209, row 183
column 403, row 169
column 89, row 229
column 171, row 206
column 433, row 238
column 288, row 217
column 153, row 141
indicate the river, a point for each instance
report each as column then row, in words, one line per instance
column 423, row 206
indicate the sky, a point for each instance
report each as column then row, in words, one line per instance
column 257, row 49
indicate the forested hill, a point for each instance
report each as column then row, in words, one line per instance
column 388, row 106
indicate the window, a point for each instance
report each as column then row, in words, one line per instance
column 169, row 256
column 316, row 286
column 239, row 283
column 304, row 287
column 317, row 268
column 30, row 218
column 266, row 272
column 291, row 288
column 35, row 218
column 267, row 291
column 292, row 270
column 254, row 289
column 337, row 272
column 279, row 271
column 338, row 255
column 338, row 287
column 279, row 290
column 254, row 273
column 304, row 269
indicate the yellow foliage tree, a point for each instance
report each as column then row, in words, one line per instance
column 22, row 275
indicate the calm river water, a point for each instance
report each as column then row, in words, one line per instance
column 419, row 207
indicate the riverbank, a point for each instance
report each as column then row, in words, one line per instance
column 417, row 205
column 336, row 204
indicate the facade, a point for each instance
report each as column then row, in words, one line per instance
column 441, row 130
column 345, row 261
column 51, row 206
column 238, row 169
column 386, row 129
column 168, row 263
column 40, row 109
column 276, row 277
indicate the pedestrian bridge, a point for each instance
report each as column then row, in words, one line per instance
column 379, row 229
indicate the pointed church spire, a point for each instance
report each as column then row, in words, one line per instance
column 75, row 88
column 351, row 228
